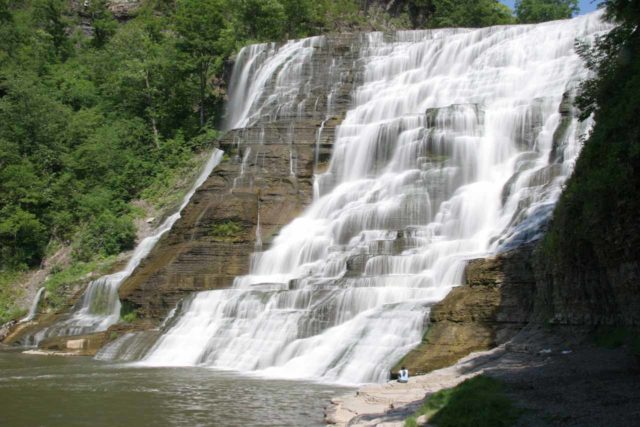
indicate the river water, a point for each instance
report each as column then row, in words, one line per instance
column 78, row 391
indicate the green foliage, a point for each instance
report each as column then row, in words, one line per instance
column 22, row 238
column 130, row 317
column 50, row 16
column 128, row 313
column 205, row 37
column 595, row 221
column 103, row 23
column 227, row 230
column 477, row 402
column 469, row 13
column 86, row 125
column 262, row 19
column 532, row 11
column 58, row 284
column 8, row 296
column 106, row 235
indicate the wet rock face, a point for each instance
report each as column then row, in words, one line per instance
column 263, row 183
column 495, row 303
column 80, row 345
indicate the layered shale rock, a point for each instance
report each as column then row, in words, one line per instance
column 495, row 303
column 264, row 182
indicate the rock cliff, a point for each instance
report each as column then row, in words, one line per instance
column 263, row 183
column 495, row 302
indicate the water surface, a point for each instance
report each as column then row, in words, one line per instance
column 70, row 391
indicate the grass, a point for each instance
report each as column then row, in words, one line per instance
column 58, row 283
column 9, row 294
column 168, row 189
column 130, row 317
column 227, row 230
column 477, row 402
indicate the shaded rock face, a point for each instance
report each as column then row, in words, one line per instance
column 264, row 182
column 594, row 295
column 518, row 289
column 495, row 303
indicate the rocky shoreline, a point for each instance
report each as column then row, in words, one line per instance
column 558, row 378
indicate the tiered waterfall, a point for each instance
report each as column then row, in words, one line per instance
column 456, row 145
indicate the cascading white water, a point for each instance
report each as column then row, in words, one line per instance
column 444, row 157
column 265, row 81
column 100, row 305
column 34, row 306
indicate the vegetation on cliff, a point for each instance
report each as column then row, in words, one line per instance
column 594, row 238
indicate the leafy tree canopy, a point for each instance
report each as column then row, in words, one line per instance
column 533, row 11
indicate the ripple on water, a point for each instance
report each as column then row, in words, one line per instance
column 79, row 391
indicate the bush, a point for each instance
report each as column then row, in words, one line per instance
column 8, row 295
column 477, row 402
column 227, row 230
column 106, row 235
column 22, row 239
column 60, row 280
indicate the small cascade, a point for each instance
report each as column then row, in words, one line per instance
column 239, row 180
column 318, row 139
column 444, row 156
column 258, row 245
column 99, row 307
column 34, row 307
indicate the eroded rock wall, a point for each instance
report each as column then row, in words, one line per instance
column 263, row 183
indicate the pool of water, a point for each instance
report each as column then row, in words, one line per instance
column 72, row 391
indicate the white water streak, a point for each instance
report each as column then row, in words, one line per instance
column 34, row 306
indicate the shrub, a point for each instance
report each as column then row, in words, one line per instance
column 476, row 402
column 106, row 235
column 227, row 230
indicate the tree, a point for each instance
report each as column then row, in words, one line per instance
column 50, row 16
column 593, row 229
column 138, row 62
column 469, row 13
column 262, row 20
column 533, row 11
column 22, row 238
column 102, row 21
column 205, row 39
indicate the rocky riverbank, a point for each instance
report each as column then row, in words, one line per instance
column 558, row 378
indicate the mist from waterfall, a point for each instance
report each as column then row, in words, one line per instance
column 454, row 148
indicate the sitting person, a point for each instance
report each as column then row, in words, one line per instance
column 403, row 375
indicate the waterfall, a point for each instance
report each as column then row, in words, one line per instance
column 264, row 81
column 445, row 156
column 99, row 307
column 34, row 306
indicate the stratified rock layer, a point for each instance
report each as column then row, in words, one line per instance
column 492, row 306
column 264, row 182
